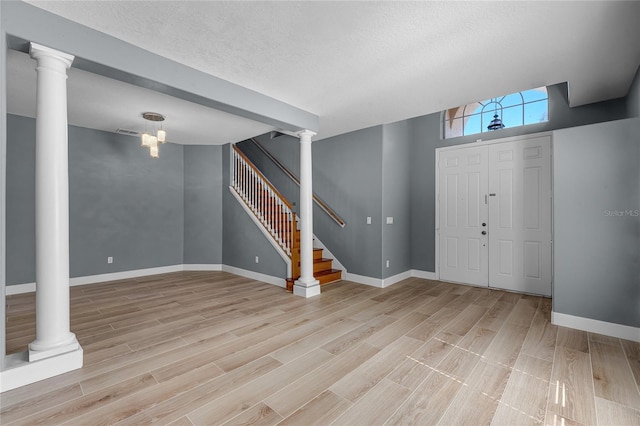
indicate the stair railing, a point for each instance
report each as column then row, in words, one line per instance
column 271, row 209
column 328, row 210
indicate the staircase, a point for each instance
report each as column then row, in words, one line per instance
column 276, row 216
column 322, row 267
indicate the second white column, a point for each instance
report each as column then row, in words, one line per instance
column 306, row 285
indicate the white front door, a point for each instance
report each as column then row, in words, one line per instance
column 520, row 215
column 463, row 216
column 494, row 215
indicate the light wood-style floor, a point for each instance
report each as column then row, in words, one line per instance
column 214, row 348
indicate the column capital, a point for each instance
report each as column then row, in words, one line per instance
column 37, row 51
column 306, row 135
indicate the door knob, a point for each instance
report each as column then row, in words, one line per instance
column 484, row 232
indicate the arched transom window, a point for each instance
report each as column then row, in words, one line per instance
column 516, row 109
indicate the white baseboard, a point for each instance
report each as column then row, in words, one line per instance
column 20, row 288
column 100, row 278
column 124, row 275
column 596, row 326
column 396, row 278
column 361, row 279
column 202, row 267
column 425, row 275
column 280, row 282
column 386, row 282
column 92, row 279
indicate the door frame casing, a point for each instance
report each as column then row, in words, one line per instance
column 487, row 143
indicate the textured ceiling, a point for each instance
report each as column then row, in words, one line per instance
column 358, row 64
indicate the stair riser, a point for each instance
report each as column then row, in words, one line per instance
column 329, row 278
column 322, row 266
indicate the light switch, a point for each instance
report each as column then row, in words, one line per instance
column 368, row 220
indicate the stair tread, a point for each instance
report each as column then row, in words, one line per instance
column 327, row 272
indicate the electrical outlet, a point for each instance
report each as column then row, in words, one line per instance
column 389, row 220
column 110, row 259
column 387, row 263
column 368, row 220
column 257, row 259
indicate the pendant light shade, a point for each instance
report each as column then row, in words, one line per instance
column 150, row 141
column 153, row 152
column 161, row 135
column 145, row 139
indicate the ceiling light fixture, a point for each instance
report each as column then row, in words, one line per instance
column 149, row 140
column 496, row 123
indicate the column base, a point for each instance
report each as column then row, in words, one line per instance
column 39, row 351
column 306, row 289
column 18, row 371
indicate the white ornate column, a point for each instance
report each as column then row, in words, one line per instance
column 53, row 335
column 306, row 285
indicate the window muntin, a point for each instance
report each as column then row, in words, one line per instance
column 516, row 109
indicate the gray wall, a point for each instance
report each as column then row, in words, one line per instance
column 396, row 198
column 597, row 222
column 425, row 140
column 122, row 203
column 347, row 175
column 633, row 98
column 241, row 238
column 20, row 207
column 202, row 204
